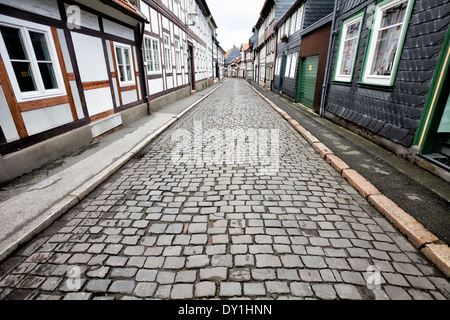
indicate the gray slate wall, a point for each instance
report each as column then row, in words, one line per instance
column 394, row 114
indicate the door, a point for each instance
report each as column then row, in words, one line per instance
column 307, row 80
column 433, row 134
column 191, row 67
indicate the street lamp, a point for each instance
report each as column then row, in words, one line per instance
column 193, row 17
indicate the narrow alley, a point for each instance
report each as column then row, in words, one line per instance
column 229, row 202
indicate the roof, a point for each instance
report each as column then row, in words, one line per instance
column 127, row 6
column 206, row 12
column 281, row 7
column 232, row 54
column 245, row 46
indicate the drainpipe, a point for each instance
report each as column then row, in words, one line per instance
column 145, row 75
column 327, row 68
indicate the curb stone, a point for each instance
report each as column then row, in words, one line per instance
column 74, row 197
column 417, row 234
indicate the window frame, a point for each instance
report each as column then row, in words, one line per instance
column 299, row 22
column 384, row 81
column 345, row 23
column 152, row 53
column 167, row 54
column 24, row 28
column 293, row 22
column 127, row 82
column 178, row 62
column 294, row 63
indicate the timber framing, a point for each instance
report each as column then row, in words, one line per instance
column 73, row 77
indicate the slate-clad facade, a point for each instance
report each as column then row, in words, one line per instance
column 380, row 92
column 271, row 13
column 299, row 17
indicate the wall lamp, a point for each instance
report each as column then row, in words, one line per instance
column 193, row 17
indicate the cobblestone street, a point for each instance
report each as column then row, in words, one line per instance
column 161, row 229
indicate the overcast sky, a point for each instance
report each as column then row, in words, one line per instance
column 234, row 19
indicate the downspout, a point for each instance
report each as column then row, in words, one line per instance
column 145, row 75
column 327, row 68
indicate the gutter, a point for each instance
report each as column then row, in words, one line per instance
column 327, row 67
column 138, row 15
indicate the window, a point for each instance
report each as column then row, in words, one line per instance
column 294, row 19
column 288, row 27
column 281, row 32
column 298, row 24
column 30, row 60
column 152, row 55
column 124, row 64
column 167, row 54
column 278, row 66
column 287, row 71
column 348, row 47
column 293, row 65
column 386, row 41
column 177, row 55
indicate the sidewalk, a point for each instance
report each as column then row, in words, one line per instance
column 418, row 192
column 389, row 183
column 31, row 203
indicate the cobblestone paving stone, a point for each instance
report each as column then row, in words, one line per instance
column 164, row 230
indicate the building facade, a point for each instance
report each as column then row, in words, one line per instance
column 271, row 13
column 299, row 67
column 389, row 78
column 178, row 43
column 221, row 62
column 230, row 61
column 73, row 71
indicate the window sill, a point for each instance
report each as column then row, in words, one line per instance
column 342, row 83
column 24, row 98
column 375, row 86
column 127, row 84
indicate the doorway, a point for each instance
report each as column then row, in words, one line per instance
column 191, row 67
column 307, row 80
column 433, row 134
column 282, row 73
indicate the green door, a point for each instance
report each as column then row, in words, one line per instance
column 307, row 80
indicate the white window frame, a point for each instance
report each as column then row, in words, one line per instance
column 288, row 27
column 177, row 55
column 157, row 69
column 123, row 47
column 293, row 22
column 299, row 22
column 366, row 77
column 294, row 62
column 351, row 21
column 41, row 92
column 167, row 54
column 287, row 70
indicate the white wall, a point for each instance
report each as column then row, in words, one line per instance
column 98, row 100
column 129, row 96
column 40, row 120
column 117, row 29
column 47, row 8
column 90, row 57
